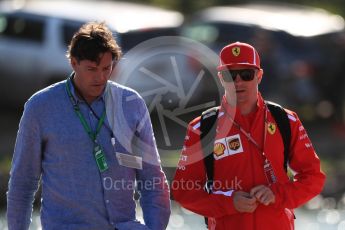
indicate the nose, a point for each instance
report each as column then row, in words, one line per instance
column 104, row 76
column 101, row 76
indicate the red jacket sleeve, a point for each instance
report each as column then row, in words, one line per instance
column 188, row 184
column 309, row 179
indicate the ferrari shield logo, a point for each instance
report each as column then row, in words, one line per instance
column 271, row 128
column 236, row 51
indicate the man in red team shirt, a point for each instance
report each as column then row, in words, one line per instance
column 251, row 189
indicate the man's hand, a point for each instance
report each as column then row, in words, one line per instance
column 263, row 194
column 243, row 202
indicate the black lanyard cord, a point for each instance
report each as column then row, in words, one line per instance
column 89, row 106
column 97, row 150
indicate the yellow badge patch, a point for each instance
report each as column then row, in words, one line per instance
column 219, row 149
column 236, row 51
column 271, row 128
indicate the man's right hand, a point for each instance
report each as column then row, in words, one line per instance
column 243, row 202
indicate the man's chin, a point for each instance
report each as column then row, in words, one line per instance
column 240, row 100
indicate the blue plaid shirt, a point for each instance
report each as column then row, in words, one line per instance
column 53, row 147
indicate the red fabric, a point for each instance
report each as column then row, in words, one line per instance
column 238, row 54
column 244, row 170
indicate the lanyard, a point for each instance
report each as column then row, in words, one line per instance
column 269, row 173
column 94, row 113
column 247, row 134
column 76, row 108
column 98, row 151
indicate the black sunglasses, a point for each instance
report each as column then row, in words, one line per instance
column 230, row 75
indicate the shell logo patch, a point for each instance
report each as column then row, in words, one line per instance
column 236, row 51
column 219, row 149
column 234, row 144
column 271, row 128
column 227, row 146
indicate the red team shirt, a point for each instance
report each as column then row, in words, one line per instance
column 238, row 166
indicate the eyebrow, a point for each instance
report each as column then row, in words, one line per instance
column 93, row 65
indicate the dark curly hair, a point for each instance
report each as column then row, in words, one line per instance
column 91, row 41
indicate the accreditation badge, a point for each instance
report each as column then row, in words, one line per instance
column 129, row 161
column 100, row 158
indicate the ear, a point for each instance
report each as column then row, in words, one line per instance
column 73, row 62
column 260, row 73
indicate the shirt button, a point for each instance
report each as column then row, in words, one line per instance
column 107, row 201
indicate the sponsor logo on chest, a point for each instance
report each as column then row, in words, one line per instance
column 227, row 146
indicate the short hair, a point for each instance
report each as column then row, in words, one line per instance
column 92, row 40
